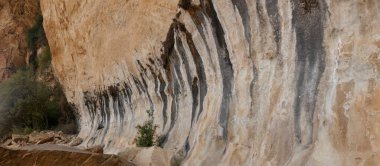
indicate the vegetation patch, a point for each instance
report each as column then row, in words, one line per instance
column 44, row 59
column 27, row 104
column 35, row 36
column 31, row 99
column 146, row 132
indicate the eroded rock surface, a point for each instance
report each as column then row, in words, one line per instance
column 57, row 156
column 152, row 156
column 42, row 137
column 231, row 82
column 16, row 18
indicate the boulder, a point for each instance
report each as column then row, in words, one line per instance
column 96, row 149
column 20, row 138
column 152, row 156
column 46, row 140
column 41, row 137
column 77, row 141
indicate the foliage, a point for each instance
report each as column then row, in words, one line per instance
column 44, row 59
column 35, row 36
column 22, row 131
column 176, row 161
column 146, row 132
column 31, row 99
column 27, row 103
column 68, row 128
column 160, row 140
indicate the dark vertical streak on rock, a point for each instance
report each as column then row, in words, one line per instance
column 114, row 94
column 176, row 66
column 187, row 146
column 147, row 92
column 272, row 10
column 90, row 103
column 159, row 88
column 260, row 12
column 143, row 88
column 225, row 65
column 176, row 91
column 154, row 77
column 166, row 52
column 173, row 115
column 128, row 94
column 194, row 92
column 121, row 110
column 200, row 82
column 106, row 114
column 167, row 47
column 164, row 98
column 138, row 85
column 309, row 66
column 198, row 18
column 241, row 5
column 182, row 53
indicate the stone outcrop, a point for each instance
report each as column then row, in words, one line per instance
column 153, row 156
column 36, row 138
column 231, row 82
column 16, row 17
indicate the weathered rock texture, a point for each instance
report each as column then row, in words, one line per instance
column 16, row 17
column 231, row 82
column 56, row 156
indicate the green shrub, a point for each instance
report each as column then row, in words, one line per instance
column 22, row 131
column 35, row 36
column 44, row 59
column 146, row 132
column 176, row 161
column 27, row 103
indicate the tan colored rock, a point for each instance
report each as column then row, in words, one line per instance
column 153, row 156
column 7, row 142
column 96, row 149
column 58, row 157
column 37, row 137
column 46, row 140
column 20, row 138
column 235, row 83
column 56, row 137
column 75, row 142
column 16, row 17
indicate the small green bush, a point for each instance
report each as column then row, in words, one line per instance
column 146, row 132
column 27, row 104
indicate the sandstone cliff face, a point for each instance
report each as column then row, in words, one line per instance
column 231, row 82
column 16, row 17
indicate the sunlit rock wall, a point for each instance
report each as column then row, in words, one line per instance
column 16, row 17
column 231, row 82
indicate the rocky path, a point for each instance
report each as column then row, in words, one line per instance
column 49, row 155
column 47, row 148
column 54, row 148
